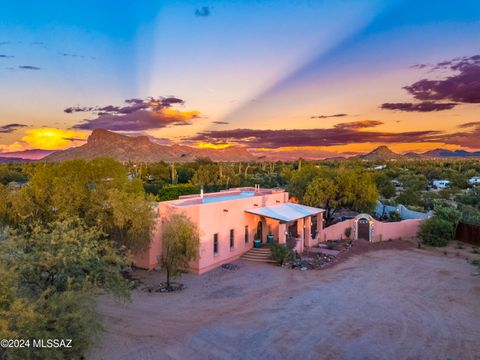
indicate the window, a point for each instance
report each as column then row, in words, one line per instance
column 232, row 239
column 215, row 244
column 246, row 234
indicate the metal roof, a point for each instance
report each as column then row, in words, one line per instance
column 286, row 211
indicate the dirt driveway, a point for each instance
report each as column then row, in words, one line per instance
column 387, row 304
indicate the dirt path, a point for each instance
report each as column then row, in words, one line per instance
column 386, row 304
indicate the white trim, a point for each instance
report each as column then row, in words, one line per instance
column 371, row 231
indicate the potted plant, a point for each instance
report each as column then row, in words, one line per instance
column 257, row 243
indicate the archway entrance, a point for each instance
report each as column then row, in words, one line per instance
column 363, row 227
column 259, row 233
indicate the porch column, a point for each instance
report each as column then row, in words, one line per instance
column 282, row 228
column 320, row 221
column 301, row 234
column 308, row 232
column 320, row 235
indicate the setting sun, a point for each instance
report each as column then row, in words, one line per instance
column 52, row 138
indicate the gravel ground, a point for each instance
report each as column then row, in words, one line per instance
column 384, row 304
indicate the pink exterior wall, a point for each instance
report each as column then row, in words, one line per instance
column 337, row 231
column 215, row 217
column 394, row 230
column 382, row 230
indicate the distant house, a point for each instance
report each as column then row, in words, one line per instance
column 474, row 180
column 441, row 184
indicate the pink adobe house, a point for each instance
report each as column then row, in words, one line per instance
column 229, row 221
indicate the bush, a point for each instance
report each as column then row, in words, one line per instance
column 348, row 232
column 436, row 232
column 281, row 254
column 476, row 263
column 331, row 245
column 395, row 217
column 172, row 192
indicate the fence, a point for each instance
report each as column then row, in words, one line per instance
column 468, row 233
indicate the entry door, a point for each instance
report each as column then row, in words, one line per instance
column 363, row 229
column 258, row 235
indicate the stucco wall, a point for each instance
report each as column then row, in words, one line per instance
column 394, row 230
column 337, row 231
column 382, row 230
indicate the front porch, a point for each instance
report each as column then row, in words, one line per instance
column 296, row 224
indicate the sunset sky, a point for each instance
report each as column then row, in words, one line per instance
column 310, row 78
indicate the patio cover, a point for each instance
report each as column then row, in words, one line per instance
column 285, row 212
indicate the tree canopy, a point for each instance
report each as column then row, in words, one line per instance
column 49, row 278
column 351, row 188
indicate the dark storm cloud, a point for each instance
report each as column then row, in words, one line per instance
column 136, row 115
column 29, row 67
column 11, row 128
column 327, row 116
column 426, row 106
column 203, row 11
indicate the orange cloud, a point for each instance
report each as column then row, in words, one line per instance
column 178, row 114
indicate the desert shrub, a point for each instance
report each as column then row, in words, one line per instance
column 348, row 232
column 476, row 263
column 331, row 245
column 395, row 217
column 436, row 231
column 172, row 192
column 281, row 253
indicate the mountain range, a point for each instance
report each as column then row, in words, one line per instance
column 104, row 143
column 384, row 153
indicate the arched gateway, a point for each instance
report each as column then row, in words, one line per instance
column 363, row 227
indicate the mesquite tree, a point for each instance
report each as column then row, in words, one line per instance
column 180, row 242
